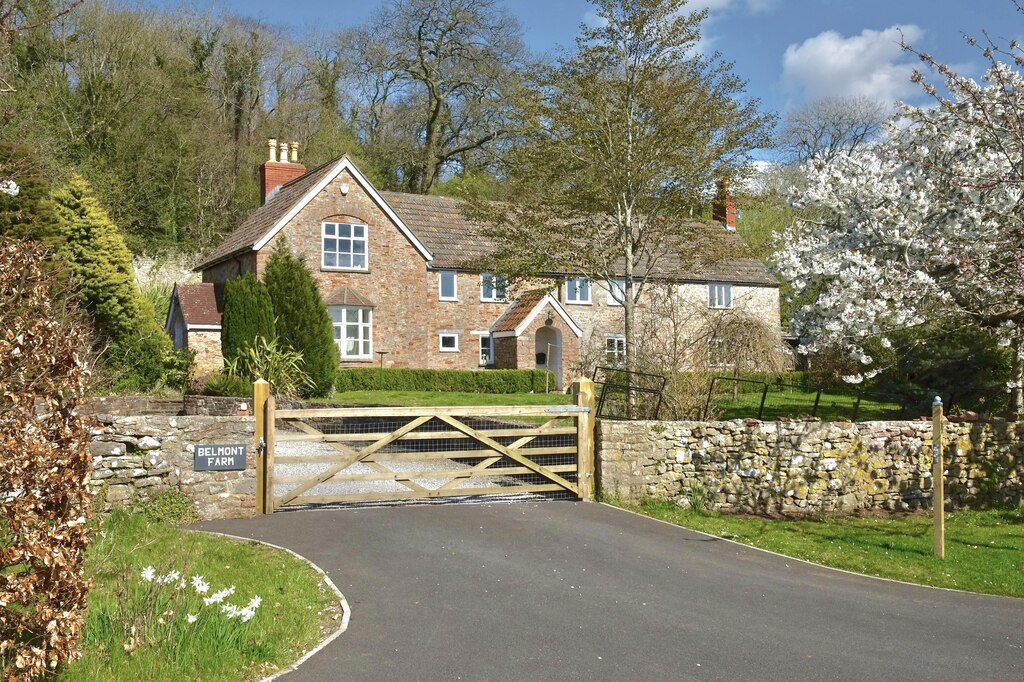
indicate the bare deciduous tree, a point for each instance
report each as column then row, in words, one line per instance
column 827, row 127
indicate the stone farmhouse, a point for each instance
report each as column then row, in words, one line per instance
column 396, row 272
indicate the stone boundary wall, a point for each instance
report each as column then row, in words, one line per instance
column 809, row 467
column 129, row 405
column 135, row 458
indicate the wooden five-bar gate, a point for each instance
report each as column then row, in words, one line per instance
column 390, row 454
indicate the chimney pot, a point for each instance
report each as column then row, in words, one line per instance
column 283, row 152
column 273, row 149
column 295, row 151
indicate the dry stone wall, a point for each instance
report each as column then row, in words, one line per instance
column 136, row 458
column 809, row 467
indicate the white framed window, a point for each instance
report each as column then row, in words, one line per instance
column 615, row 350
column 448, row 342
column 344, row 247
column 719, row 295
column 719, row 355
column 616, row 291
column 577, row 290
column 486, row 350
column 353, row 331
column 447, row 285
column 493, row 288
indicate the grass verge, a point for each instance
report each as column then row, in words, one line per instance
column 140, row 630
column 437, row 398
column 984, row 549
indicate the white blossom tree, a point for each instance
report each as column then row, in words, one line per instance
column 926, row 226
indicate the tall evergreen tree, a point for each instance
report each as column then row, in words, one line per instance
column 102, row 266
column 303, row 323
column 29, row 214
column 248, row 313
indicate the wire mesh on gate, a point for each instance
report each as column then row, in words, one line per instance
column 376, row 457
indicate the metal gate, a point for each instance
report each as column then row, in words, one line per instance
column 390, row 454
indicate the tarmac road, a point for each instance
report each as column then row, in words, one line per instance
column 582, row 591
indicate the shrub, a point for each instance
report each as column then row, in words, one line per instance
column 446, row 380
column 224, row 384
column 303, row 322
column 248, row 314
column 172, row 507
column 282, row 367
column 44, row 464
column 30, row 213
column 102, row 266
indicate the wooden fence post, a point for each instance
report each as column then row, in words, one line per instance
column 583, row 389
column 938, row 481
column 260, row 393
column 268, row 455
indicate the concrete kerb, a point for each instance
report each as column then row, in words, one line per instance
column 346, row 610
column 811, row 563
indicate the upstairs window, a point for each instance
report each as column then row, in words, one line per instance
column 616, row 291
column 447, row 285
column 344, row 247
column 577, row 290
column 719, row 295
column 493, row 288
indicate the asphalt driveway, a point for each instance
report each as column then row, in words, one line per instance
column 578, row 591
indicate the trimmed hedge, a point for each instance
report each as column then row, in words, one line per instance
column 444, row 380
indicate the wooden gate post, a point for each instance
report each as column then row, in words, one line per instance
column 260, row 393
column 268, row 455
column 583, row 389
column 938, row 482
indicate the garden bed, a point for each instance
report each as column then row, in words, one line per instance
column 140, row 629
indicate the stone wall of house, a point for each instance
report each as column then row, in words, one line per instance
column 810, row 467
column 209, row 358
column 135, row 458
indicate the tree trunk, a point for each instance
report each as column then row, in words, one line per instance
column 1018, row 377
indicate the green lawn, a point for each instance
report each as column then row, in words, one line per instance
column 437, row 398
column 140, row 630
column 984, row 549
column 795, row 404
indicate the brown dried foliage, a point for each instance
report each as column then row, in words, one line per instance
column 44, row 465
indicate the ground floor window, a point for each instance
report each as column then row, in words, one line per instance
column 615, row 350
column 353, row 331
column 449, row 342
column 486, row 350
column 719, row 355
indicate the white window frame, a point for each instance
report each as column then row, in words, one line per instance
column 618, row 350
column 440, row 285
column 486, row 350
column 351, row 253
column 719, row 295
column 718, row 349
column 573, row 286
column 441, row 336
column 619, row 284
column 491, row 281
column 364, row 326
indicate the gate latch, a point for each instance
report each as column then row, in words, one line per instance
column 261, row 449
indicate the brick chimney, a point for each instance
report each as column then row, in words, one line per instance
column 278, row 169
column 723, row 209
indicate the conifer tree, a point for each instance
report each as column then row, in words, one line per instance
column 101, row 263
column 248, row 314
column 29, row 214
column 303, row 323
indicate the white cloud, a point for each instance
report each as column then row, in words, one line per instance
column 718, row 5
column 871, row 64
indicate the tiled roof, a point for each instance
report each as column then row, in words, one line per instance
column 518, row 311
column 263, row 219
column 199, row 303
column 345, row 295
column 454, row 241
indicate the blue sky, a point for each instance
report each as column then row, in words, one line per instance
column 790, row 51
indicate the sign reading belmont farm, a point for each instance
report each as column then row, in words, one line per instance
column 220, row 458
